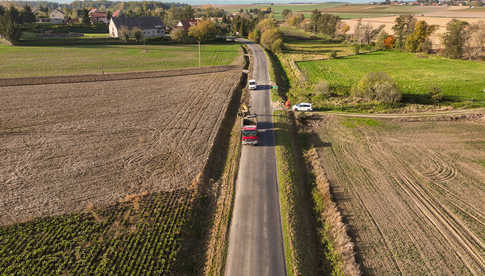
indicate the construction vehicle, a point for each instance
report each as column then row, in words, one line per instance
column 249, row 129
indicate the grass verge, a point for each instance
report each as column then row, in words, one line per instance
column 354, row 122
column 311, row 241
column 278, row 76
column 336, row 244
column 285, row 177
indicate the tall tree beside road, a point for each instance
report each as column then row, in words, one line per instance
column 455, row 38
column 179, row 35
column 176, row 14
column 272, row 40
column 366, row 33
column 9, row 28
column 416, row 42
column 243, row 24
column 403, row 27
column 85, row 19
column 475, row 42
column 296, row 20
column 27, row 15
column 285, row 13
column 205, row 30
column 324, row 23
column 381, row 39
column 2, row 10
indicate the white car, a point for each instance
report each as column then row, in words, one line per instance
column 252, row 84
column 302, row 107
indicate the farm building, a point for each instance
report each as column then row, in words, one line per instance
column 150, row 26
column 57, row 17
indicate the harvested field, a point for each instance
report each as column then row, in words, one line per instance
column 65, row 147
column 411, row 192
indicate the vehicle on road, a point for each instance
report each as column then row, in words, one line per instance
column 249, row 130
column 252, row 84
column 302, row 107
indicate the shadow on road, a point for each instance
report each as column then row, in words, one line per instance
column 263, row 87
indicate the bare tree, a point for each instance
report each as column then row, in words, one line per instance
column 475, row 40
column 366, row 33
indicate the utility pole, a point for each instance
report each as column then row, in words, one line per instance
column 199, row 52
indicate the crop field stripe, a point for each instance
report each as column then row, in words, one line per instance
column 431, row 208
column 369, row 213
column 427, row 208
column 149, row 238
column 454, row 225
column 114, row 76
column 426, row 203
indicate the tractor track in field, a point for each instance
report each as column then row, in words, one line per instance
column 137, row 135
column 410, row 192
column 445, row 222
column 374, row 222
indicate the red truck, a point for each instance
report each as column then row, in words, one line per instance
column 249, row 130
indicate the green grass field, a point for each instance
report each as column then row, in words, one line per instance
column 95, row 35
column 462, row 82
column 21, row 61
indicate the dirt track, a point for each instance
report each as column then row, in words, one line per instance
column 412, row 192
column 65, row 146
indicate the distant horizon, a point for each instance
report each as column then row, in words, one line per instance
column 215, row 2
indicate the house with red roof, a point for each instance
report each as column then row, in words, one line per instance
column 186, row 24
column 98, row 16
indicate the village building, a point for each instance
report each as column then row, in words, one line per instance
column 186, row 24
column 98, row 16
column 116, row 13
column 57, row 17
column 150, row 26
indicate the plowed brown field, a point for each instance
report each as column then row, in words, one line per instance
column 412, row 192
column 65, row 147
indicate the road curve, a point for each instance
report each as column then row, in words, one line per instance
column 255, row 238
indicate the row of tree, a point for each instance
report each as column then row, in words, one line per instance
column 205, row 30
column 11, row 21
column 461, row 40
column 267, row 34
column 322, row 23
column 19, row 16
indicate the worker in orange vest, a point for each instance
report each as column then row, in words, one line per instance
column 287, row 104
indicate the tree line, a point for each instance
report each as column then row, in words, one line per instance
column 461, row 39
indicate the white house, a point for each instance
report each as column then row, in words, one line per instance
column 57, row 16
column 150, row 26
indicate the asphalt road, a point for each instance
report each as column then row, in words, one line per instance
column 255, row 239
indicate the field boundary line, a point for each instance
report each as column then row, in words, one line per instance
column 332, row 216
column 413, row 115
column 115, row 76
